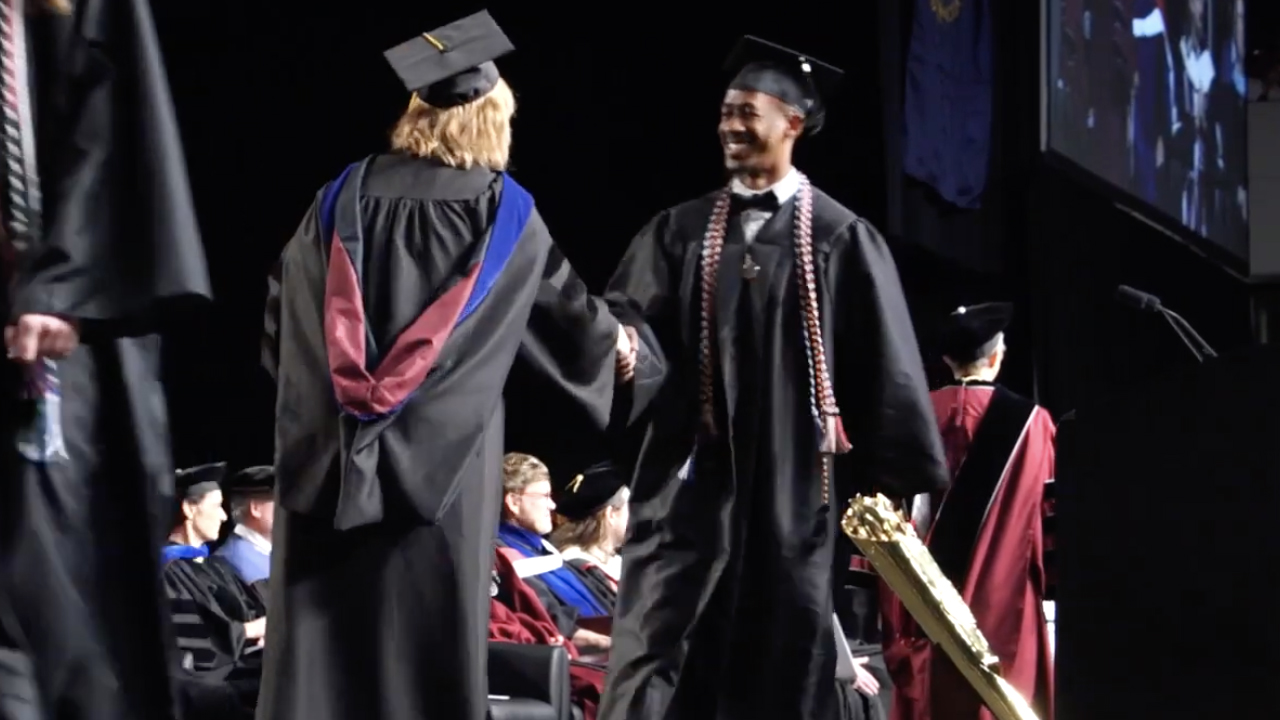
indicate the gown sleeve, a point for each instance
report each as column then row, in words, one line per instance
column 644, row 294
column 120, row 237
column 880, row 380
column 271, row 322
column 301, row 264
column 571, row 338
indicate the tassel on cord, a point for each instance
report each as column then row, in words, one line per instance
column 834, row 439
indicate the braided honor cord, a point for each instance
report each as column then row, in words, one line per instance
column 822, row 397
column 42, row 441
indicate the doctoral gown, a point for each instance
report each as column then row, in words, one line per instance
column 387, row 515
column 724, row 610
column 986, row 534
column 80, row 534
column 209, row 605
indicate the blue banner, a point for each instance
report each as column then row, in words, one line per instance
column 948, row 104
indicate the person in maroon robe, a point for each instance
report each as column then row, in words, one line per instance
column 516, row 615
column 985, row 531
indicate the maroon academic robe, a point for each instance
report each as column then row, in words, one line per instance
column 527, row 622
column 987, row 535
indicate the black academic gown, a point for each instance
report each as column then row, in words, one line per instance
column 597, row 582
column 388, row 619
column 725, row 607
column 209, row 605
column 216, row 669
column 80, row 536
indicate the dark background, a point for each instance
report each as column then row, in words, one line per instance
column 616, row 121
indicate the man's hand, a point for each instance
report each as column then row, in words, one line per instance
column 40, row 336
column 627, row 343
column 584, row 639
column 863, row 681
column 255, row 629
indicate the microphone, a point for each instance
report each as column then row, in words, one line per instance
column 1150, row 303
column 1137, row 299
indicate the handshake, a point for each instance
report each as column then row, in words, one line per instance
column 628, row 345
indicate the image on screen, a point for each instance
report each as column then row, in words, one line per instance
column 1149, row 95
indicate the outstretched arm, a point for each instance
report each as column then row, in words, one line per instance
column 301, row 269
column 643, row 295
column 572, row 339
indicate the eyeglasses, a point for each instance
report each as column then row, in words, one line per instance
column 540, row 496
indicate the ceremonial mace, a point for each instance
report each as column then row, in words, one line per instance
column 889, row 541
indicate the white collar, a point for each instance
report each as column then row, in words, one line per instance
column 784, row 189
column 254, row 537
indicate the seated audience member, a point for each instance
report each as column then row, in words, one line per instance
column 219, row 620
column 248, row 549
column 517, row 615
column 592, row 512
column 526, row 519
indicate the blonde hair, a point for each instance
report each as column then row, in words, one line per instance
column 477, row 133
column 519, row 471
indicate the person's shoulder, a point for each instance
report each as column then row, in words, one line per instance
column 1042, row 421
column 835, row 224
column 830, row 210
column 677, row 226
column 690, row 213
column 396, row 176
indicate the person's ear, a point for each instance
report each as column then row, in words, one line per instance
column 795, row 124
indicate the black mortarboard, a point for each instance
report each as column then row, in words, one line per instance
column 588, row 491
column 194, row 483
column 256, row 480
column 969, row 330
column 798, row 80
column 452, row 65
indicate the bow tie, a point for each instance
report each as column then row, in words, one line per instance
column 767, row 201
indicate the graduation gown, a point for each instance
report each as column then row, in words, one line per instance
column 986, row 534
column 400, row 502
column 80, row 531
column 725, row 607
column 209, row 605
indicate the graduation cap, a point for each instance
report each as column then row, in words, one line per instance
column 452, row 65
column 257, row 480
column 588, row 492
column 194, row 483
column 796, row 79
column 969, row 331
